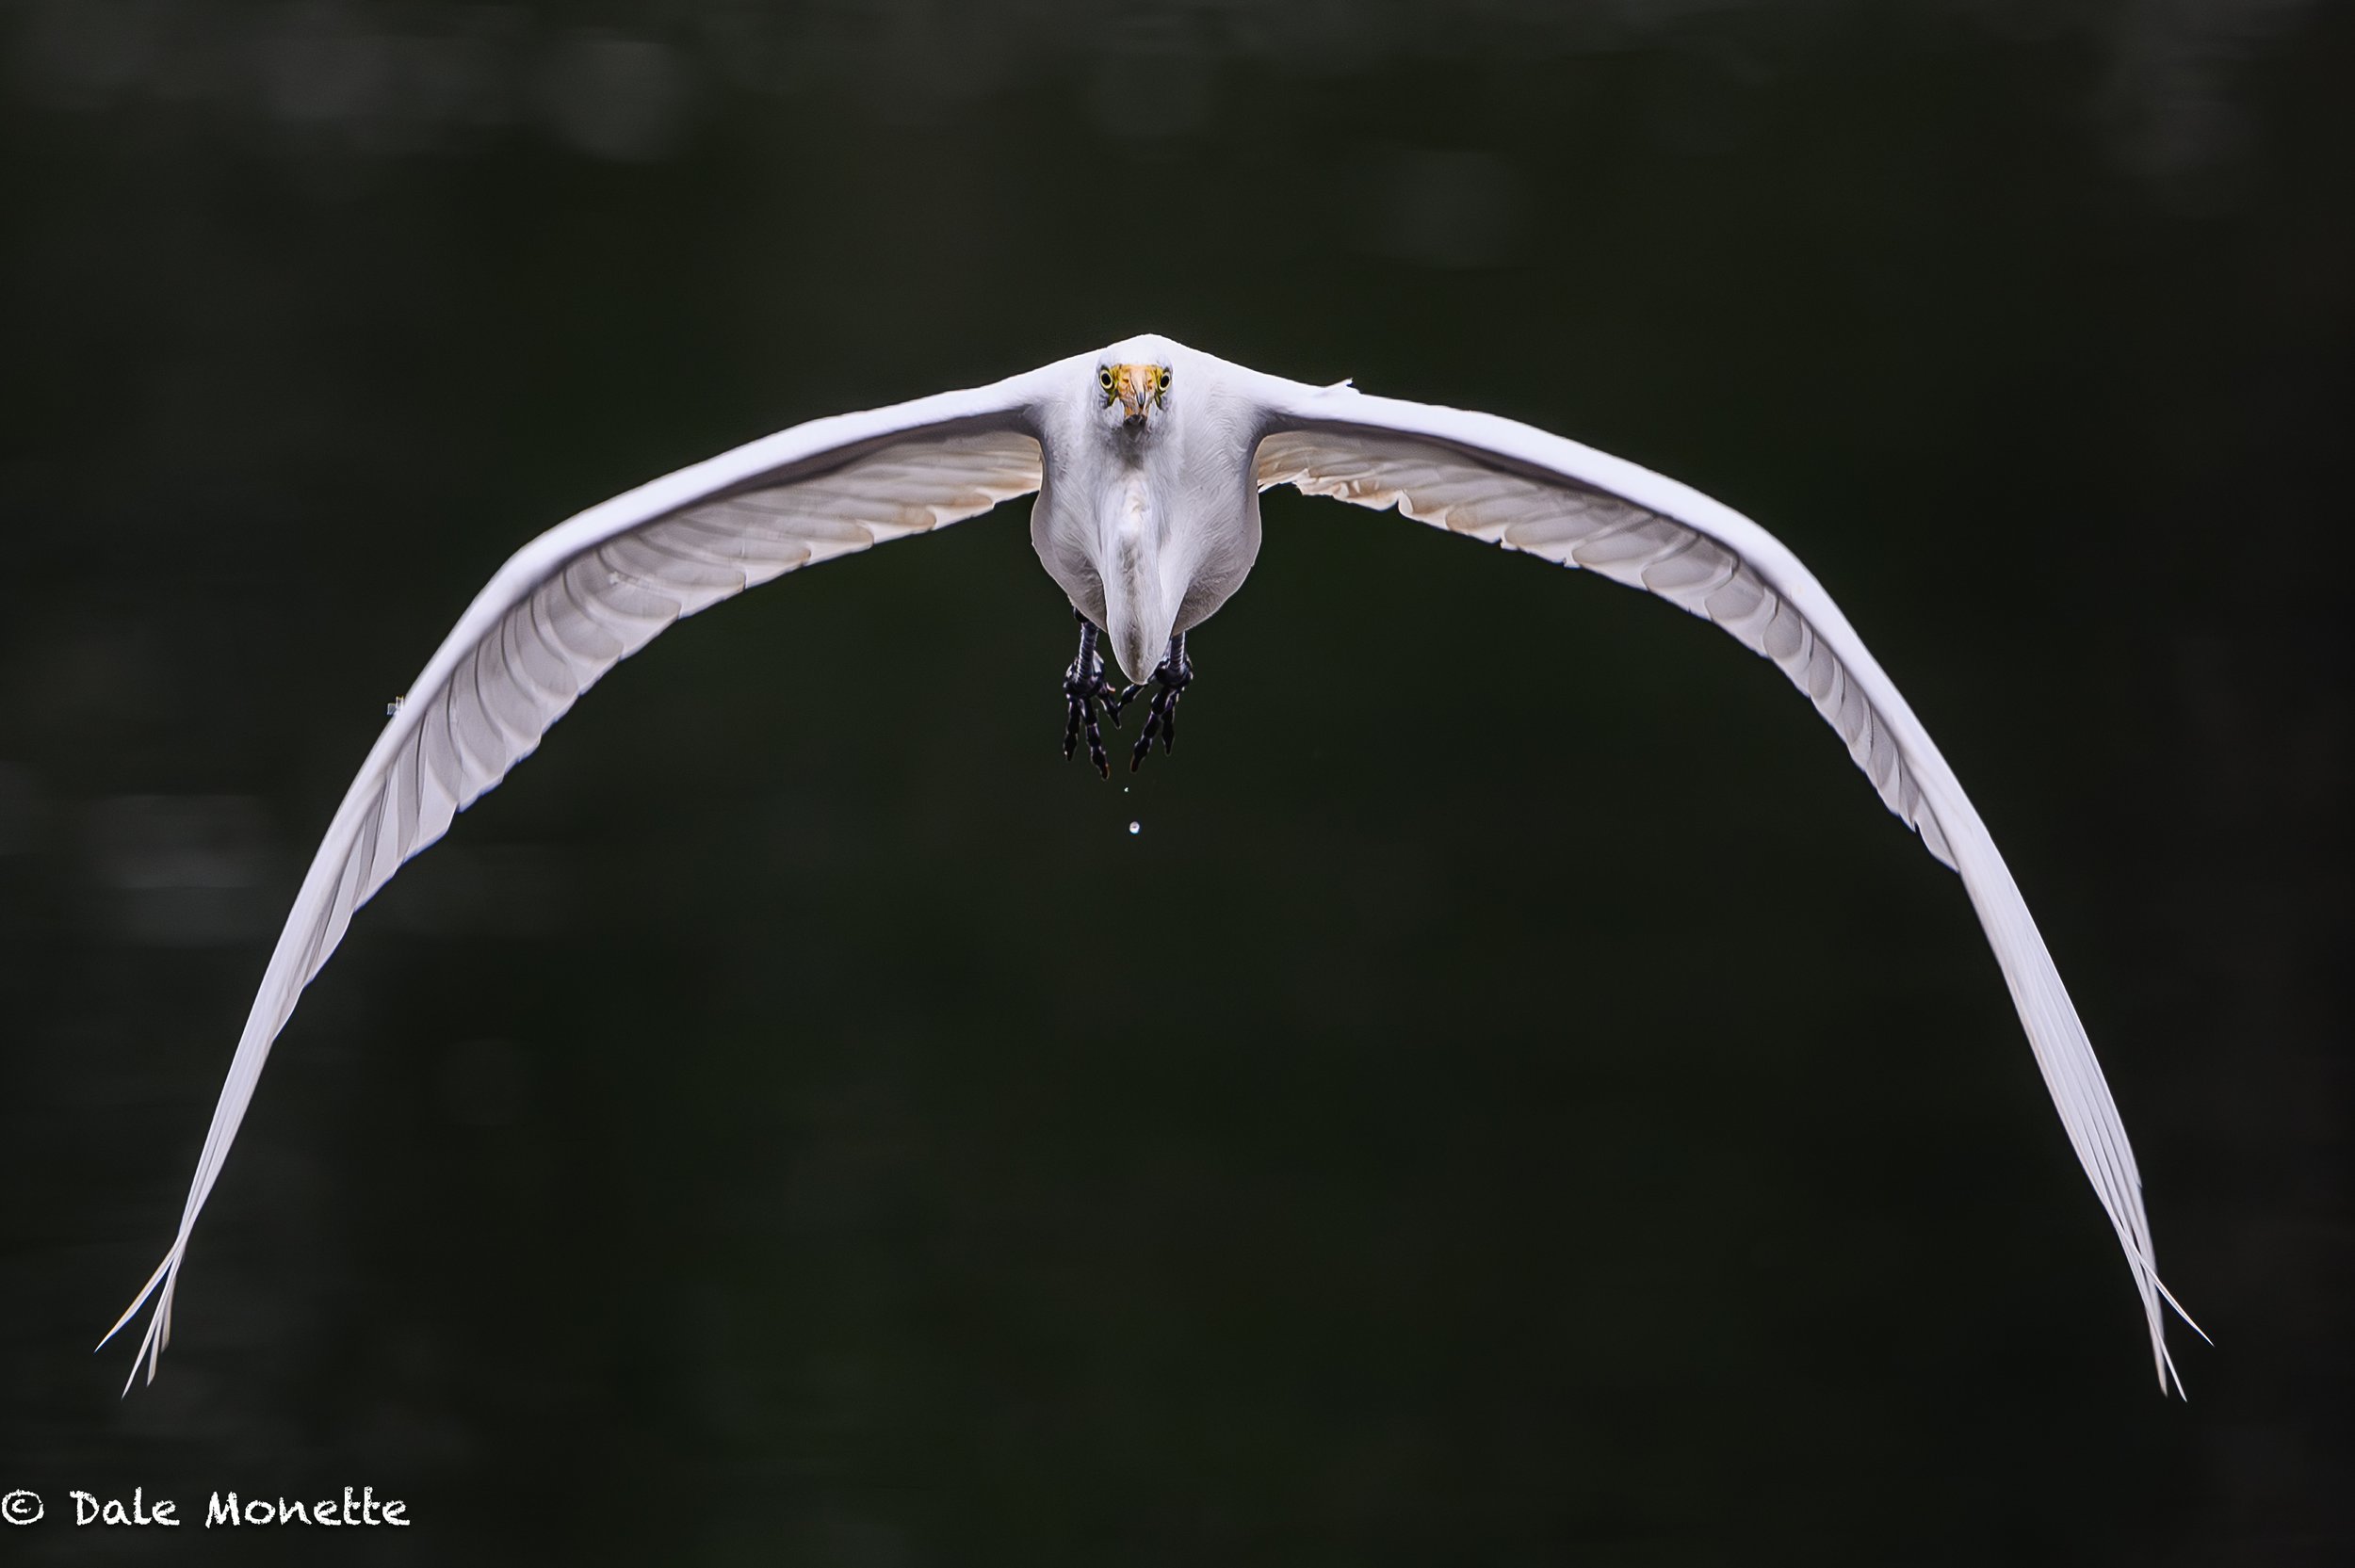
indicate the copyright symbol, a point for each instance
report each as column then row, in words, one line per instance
column 21, row 1508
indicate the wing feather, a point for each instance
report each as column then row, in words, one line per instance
column 565, row 609
column 1522, row 489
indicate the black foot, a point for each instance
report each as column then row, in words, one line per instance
column 1169, row 684
column 1083, row 687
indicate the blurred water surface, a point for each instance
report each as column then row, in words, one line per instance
column 1521, row 1100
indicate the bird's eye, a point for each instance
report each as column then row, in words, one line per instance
column 1165, row 386
column 1105, row 376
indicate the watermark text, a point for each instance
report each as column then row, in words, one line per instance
column 357, row 1508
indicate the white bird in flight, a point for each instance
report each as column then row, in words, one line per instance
column 1147, row 460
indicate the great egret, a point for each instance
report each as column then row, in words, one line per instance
column 1148, row 459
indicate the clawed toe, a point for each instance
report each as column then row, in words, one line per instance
column 1082, row 700
column 1090, row 698
column 1169, row 685
column 1083, row 688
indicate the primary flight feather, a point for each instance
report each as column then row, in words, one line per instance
column 1147, row 460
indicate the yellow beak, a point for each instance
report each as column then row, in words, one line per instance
column 1135, row 386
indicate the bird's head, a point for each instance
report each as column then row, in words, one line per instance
column 1130, row 391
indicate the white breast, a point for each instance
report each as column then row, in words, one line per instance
column 1150, row 542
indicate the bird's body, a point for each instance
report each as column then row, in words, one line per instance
column 1147, row 460
column 1150, row 528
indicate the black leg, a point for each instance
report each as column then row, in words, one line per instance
column 1169, row 684
column 1083, row 687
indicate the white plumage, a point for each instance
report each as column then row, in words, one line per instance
column 1147, row 516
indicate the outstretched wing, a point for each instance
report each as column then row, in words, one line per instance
column 1520, row 488
column 569, row 607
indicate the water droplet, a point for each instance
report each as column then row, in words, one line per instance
column 1135, row 828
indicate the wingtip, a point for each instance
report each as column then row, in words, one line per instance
column 2169, row 1376
column 145, row 1358
column 138, row 1302
column 158, row 1332
column 2189, row 1320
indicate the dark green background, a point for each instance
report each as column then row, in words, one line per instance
column 1519, row 1099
